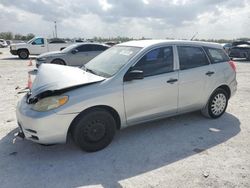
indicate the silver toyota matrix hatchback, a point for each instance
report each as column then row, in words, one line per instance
column 130, row 83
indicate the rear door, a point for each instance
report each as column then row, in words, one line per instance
column 82, row 55
column 96, row 50
column 195, row 75
column 156, row 94
column 219, row 61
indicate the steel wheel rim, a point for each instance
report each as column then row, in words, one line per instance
column 218, row 104
column 94, row 131
column 23, row 54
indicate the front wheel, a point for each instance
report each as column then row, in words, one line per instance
column 23, row 54
column 58, row 62
column 216, row 105
column 94, row 130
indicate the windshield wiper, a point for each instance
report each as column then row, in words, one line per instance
column 89, row 70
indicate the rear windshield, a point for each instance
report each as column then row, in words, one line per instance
column 217, row 55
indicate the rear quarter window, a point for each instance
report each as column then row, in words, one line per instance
column 217, row 55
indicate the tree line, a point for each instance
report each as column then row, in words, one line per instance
column 10, row 36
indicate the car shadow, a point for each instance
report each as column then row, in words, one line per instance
column 33, row 72
column 17, row 58
column 135, row 150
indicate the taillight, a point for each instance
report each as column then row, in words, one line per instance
column 233, row 65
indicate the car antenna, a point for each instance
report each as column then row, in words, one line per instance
column 194, row 36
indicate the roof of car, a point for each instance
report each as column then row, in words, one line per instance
column 147, row 43
column 91, row 43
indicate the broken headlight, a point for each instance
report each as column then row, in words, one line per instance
column 50, row 103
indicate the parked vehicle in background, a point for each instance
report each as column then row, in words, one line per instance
column 36, row 46
column 74, row 55
column 9, row 42
column 111, row 43
column 227, row 47
column 240, row 49
column 79, row 40
column 130, row 83
column 3, row 43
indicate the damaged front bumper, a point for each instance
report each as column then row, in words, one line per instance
column 42, row 127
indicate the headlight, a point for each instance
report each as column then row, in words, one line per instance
column 50, row 103
column 41, row 59
column 13, row 47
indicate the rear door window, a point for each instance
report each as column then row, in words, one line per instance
column 84, row 48
column 216, row 55
column 191, row 57
column 99, row 47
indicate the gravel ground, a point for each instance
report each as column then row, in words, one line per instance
column 183, row 151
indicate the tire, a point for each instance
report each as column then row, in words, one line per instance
column 94, row 130
column 58, row 62
column 23, row 54
column 217, row 104
column 248, row 56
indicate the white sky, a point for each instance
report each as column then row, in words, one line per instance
column 132, row 18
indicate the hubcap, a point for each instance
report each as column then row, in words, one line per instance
column 218, row 104
column 94, row 131
column 23, row 54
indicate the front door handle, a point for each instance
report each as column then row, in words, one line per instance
column 172, row 80
column 209, row 73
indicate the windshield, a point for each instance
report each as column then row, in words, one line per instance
column 69, row 48
column 111, row 61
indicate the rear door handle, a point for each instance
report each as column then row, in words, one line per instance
column 171, row 81
column 209, row 73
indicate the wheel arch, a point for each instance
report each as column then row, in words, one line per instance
column 111, row 110
column 23, row 49
column 226, row 88
column 59, row 60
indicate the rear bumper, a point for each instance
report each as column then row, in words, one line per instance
column 233, row 87
column 43, row 127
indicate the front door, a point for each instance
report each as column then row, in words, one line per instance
column 156, row 94
column 38, row 47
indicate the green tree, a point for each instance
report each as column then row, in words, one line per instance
column 18, row 37
column 6, row 35
column 30, row 36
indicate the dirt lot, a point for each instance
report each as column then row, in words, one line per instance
column 183, row 151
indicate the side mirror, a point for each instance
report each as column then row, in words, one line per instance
column 133, row 75
column 74, row 51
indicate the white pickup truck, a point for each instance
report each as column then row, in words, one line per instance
column 36, row 46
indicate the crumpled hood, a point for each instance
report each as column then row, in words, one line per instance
column 50, row 54
column 52, row 77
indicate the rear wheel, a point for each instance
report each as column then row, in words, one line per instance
column 94, row 130
column 248, row 56
column 23, row 54
column 58, row 62
column 217, row 104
